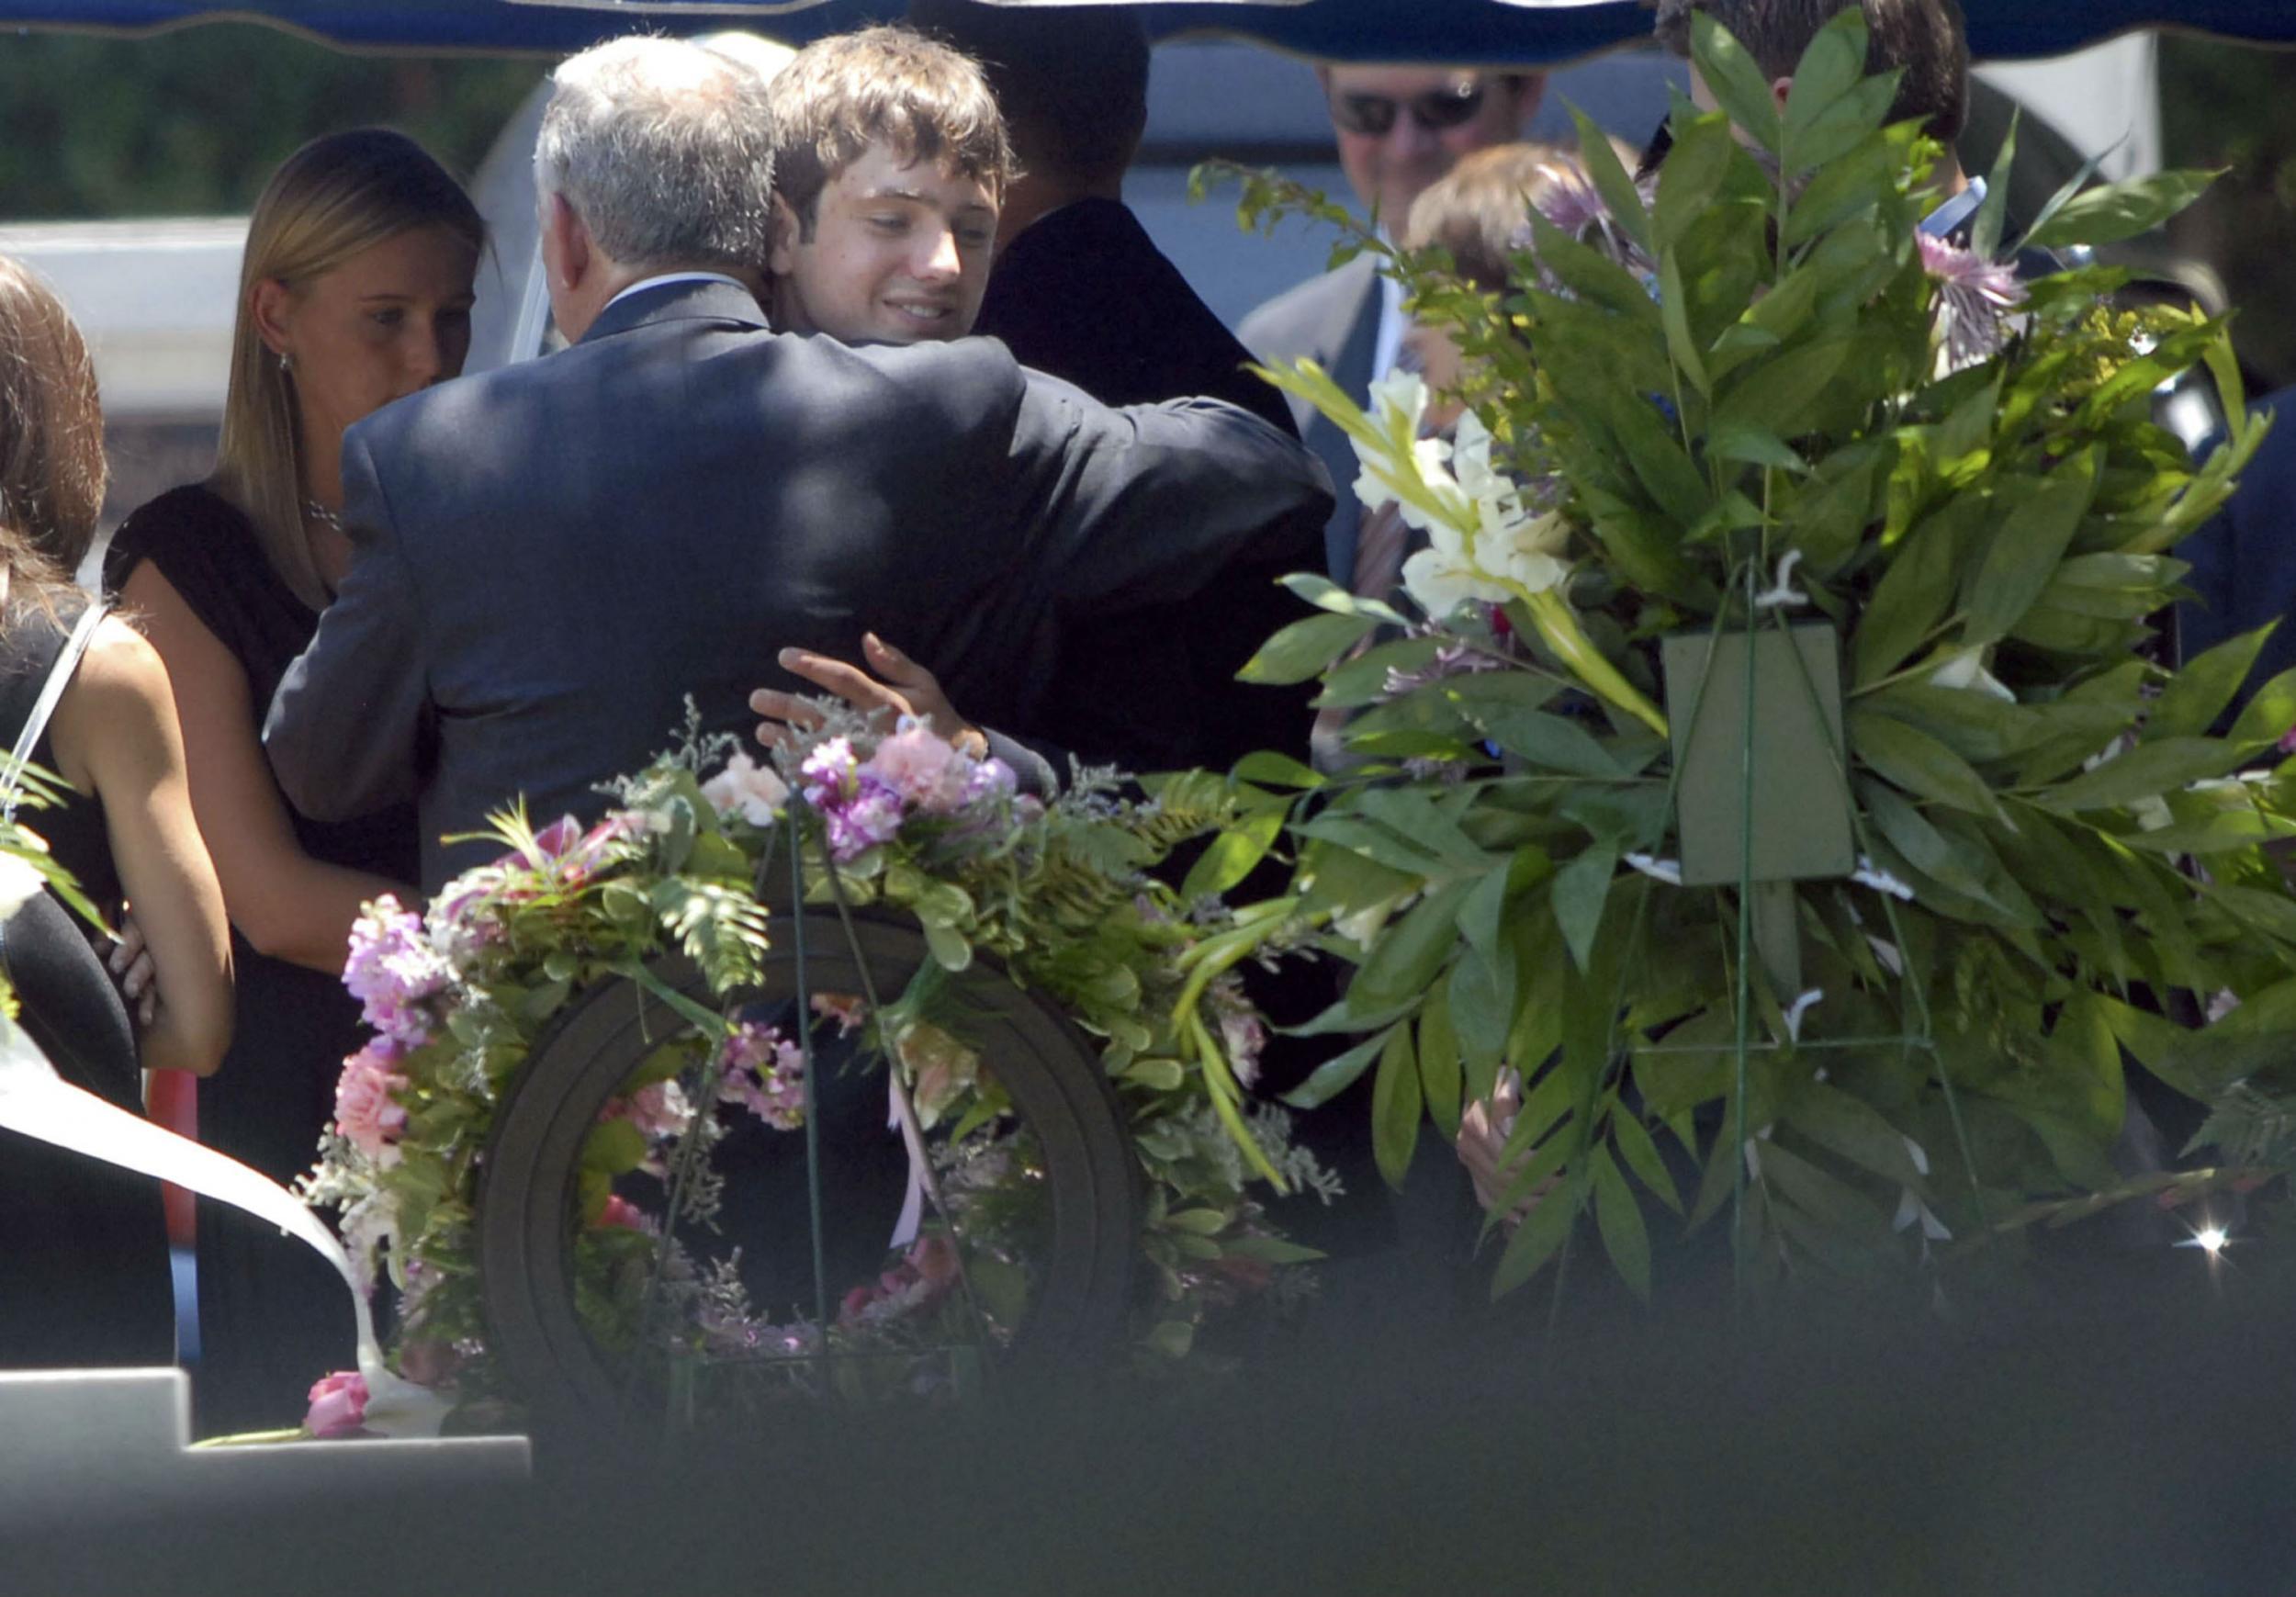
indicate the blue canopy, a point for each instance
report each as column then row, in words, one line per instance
column 1436, row 30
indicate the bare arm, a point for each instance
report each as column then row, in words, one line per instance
column 285, row 903
column 115, row 731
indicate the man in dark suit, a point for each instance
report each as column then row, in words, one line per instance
column 1080, row 290
column 1399, row 128
column 551, row 558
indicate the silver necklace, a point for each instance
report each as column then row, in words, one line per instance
column 315, row 512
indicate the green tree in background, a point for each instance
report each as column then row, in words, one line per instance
column 191, row 122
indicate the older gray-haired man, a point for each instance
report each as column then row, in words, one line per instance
column 551, row 557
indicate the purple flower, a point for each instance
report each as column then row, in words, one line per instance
column 391, row 969
column 1974, row 299
column 990, row 779
column 871, row 816
column 829, row 771
column 765, row 1073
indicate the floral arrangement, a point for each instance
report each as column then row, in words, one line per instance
column 1060, row 894
column 1752, row 396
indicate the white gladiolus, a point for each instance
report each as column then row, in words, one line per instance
column 1482, row 543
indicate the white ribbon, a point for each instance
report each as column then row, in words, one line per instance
column 38, row 1102
column 901, row 1116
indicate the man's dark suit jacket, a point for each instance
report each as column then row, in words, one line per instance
column 548, row 558
column 1083, row 293
column 2244, row 562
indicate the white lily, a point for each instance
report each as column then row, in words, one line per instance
column 1483, row 542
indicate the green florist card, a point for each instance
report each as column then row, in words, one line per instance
column 1801, row 801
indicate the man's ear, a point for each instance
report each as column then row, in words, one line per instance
column 567, row 251
column 272, row 304
column 782, row 258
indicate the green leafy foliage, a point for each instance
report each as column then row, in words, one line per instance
column 1756, row 399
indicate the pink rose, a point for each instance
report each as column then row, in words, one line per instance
column 365, row 1111
column 925, row 771
column 338, row 1405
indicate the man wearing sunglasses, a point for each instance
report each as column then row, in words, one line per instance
column 1399, row 128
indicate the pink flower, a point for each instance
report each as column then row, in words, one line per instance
column 2287, row 741
column 621, row 1214
column 1974, row 297
column 765, row 1073
column 366, row 1111
column 556, row 839
column 755, row 793
column 391, row 969
column 871, row 816
column 338, row 1405
column 828, row 772
column 927, row 771
column 659, row 1108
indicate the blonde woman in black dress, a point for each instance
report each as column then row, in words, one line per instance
column 355, row 291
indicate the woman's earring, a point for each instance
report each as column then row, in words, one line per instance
column 286, row 363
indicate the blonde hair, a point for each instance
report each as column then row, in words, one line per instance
column 333, row 199
column 1480, row 209
column 51, row 438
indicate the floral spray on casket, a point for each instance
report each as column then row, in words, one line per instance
column 1752, row 417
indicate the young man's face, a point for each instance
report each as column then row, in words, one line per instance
column 899, row 253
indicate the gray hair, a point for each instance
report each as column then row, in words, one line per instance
column 664, row 149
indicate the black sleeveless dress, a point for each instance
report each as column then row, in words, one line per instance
column 273, row 1316
column 84, row 1273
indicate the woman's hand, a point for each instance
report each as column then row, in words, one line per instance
column 128, row 959
column 1484, row 1132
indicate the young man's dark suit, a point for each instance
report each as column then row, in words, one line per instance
column 548, row 558
column 1084, row 294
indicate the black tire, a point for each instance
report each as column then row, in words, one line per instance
column 527, row 1180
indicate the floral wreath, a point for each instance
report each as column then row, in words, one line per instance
column 1059, row 893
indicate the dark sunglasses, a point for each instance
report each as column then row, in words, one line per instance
column 1373, row 116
